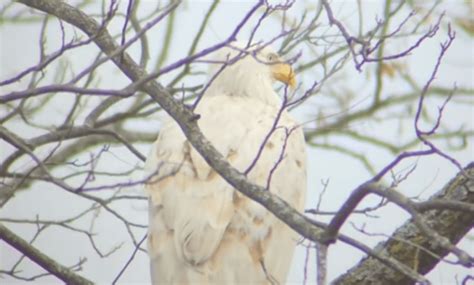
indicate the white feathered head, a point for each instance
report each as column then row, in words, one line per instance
column 240, row 71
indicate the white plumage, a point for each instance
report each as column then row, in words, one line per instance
column 201, row 230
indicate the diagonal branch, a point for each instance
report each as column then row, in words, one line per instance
column 181, row 114
column 58, row 270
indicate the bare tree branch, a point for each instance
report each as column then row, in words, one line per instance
column 49, row 264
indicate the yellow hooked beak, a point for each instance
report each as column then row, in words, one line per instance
column 284, row 73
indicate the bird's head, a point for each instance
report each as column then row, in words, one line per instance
column 249, row 71
column 277, row 68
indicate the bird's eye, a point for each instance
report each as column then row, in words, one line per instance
column 271, row 57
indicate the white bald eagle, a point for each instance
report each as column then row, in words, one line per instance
column 202, row 230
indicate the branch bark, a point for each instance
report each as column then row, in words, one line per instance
column 407, row 244
column 58, row 270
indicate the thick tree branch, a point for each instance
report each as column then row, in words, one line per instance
column 183, row 116
column 58, row 270
column 450, row 224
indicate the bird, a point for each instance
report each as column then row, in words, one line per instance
column 202, row 230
